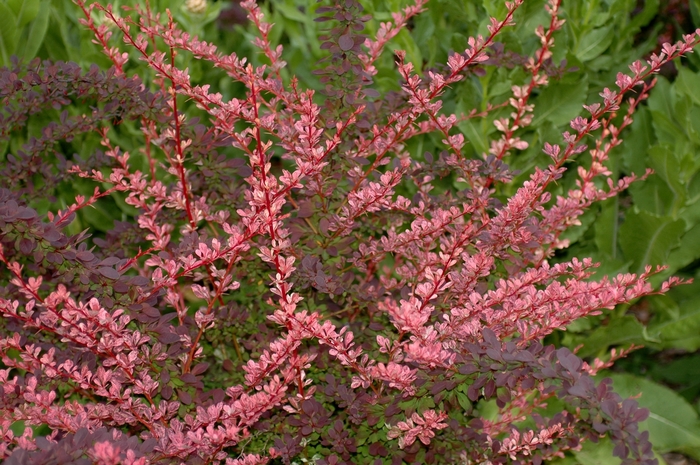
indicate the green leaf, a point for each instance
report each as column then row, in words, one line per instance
column 464, row 401
column 695, row 12
column 689, row 84
column 127, row 209
column 459, row 41
column 623, row 331
column 291, row 12
column 653, row 196
column 600, row 453
column 692, row 125
column 682, row 332
column 25, row 10
column 425, row 403
column 662, row 103
column 636, row 145
column 607, row 227
column 98, row 217
column 684, row 372
column 647, row 239
column 672, row 423
column 666, row 166
column 594, row 43
column 475, row 135
column 37, row 31
column 574, row 233
column 688, row 251
column 8, row 34
column 424, row 35
column 532, row 14
column 561, row 102
column 642, row 18
column 404, row 41
column 596, row 454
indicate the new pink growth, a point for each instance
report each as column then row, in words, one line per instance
column 332, row 291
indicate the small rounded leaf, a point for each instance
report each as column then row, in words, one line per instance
column 110, row 273
column 346, row 42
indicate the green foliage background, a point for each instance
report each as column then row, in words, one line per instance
column 656, row 222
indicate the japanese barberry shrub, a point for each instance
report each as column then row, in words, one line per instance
column 298, row 283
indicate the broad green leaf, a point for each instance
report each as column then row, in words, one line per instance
column 608, row 266
column 682, row 332
column 25, row 10
column 622, row 331
column 692, row 210
column 603, row 63
column 424, row 35
column 53, row 42
column 662, row 104
column 594, row 43
column 459, row 42
column 647, row 239
column 487, row 409
column 667, row 128
column 692, row 127
column 653, row 196
column 688, row 83
column 683, row 372
column 475, row 135
column 635, row 147
column 123, row 206
column 500, row 87
column 568, row 460
column 642, row 18
column 664, row 308
column 98, row 217
column 672, row 424
column 493, row 9
column 607, row 227
column 688, row 251
column 580, row 325
column 681, row 110
column 532, row 14
column 594, row 453
column 37, row 31
column 561, row 102
column 292, row 12
column 575, row 233
column 666, row 166
column 600, row 453
column 404, row 41
column 8, row 34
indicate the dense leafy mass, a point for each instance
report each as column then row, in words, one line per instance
column 307, row 276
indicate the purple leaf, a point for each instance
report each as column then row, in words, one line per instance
column 346, row 42
column 109, row 273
